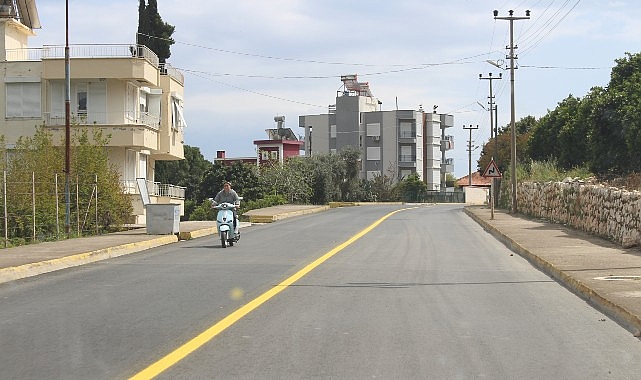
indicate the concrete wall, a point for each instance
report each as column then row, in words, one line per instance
column 476, row 195
column 604, row 211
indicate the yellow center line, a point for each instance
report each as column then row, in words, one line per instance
column 195, row 343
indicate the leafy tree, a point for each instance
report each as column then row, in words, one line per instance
column 624, row 93
column 187, row 173
column 503, row 157
column 450, row 180
column 244, row 179
column 288, row 180
column 381, row 188
column 606, row 142
column 37, row 157
column 153, row 32
column 92, row 167
column 349, row 180
column 601, row 130
column 412, row 189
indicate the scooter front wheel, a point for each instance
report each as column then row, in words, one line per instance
column 223, row 239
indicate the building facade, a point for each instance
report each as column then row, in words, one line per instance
column 393, row 143
column 122, row 90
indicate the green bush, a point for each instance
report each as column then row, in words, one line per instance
column 267, row 201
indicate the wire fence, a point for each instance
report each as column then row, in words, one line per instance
column 36, row 210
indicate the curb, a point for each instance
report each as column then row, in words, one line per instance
column 275, row 217
column 625, row 318
column 197, row 233
column 34, row 269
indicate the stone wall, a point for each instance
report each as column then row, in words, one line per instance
column 604, row 211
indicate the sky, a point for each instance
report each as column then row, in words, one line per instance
column 246, row 61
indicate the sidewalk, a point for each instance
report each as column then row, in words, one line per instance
column 605, row 275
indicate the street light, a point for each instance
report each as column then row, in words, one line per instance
column 512, row 57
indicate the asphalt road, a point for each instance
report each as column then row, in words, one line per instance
column 425, row 294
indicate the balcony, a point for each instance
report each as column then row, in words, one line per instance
column 407, row 136
column 156, row 189
column 159, row 193
column 141, row 132
column 407, row 160
column 104, row 118
column 167, row 69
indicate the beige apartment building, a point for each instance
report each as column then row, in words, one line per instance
column 121, row 89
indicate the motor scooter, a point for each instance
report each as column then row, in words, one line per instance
column 225, row 223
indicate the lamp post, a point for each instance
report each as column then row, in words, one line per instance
column 512, row 57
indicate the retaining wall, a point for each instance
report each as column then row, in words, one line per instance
column 604, row 211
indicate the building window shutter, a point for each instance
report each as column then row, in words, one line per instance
column 23, row 99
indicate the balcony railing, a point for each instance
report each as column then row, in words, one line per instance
column 407, row 158
column 84, row 51
column 104, row 118
column 95, row 51
column 167, row 69
column 155, row 189
column 407, row 134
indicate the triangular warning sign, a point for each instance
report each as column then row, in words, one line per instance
column 492, row 170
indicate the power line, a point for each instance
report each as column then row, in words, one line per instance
column 256, row 92
column 565, row 67
column 402, row 67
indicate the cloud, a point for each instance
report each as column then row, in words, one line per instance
column 236, row 56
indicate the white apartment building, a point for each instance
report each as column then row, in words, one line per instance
column 392, row 143
column 121, row 89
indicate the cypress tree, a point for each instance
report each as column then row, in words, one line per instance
column 153, row 32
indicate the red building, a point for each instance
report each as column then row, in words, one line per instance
column 277, row 150
column 281, row 144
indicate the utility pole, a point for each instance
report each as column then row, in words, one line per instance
column 469, row 152
column 67, row 125
column 493, row 129
column 512, row 57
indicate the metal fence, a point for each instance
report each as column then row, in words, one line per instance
column 35, row 210
column 445, row 197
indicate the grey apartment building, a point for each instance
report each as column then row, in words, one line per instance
column 394, row 143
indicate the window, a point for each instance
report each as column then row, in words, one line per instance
column 81, row 99
column 406, row 130
column 373, row 153
column 407, row 154
column 88, row 101
column 23, row 99
column 332, row 131
column 374, row 129
column 177, row 117
column 142, row 166
column 130, row 102
column 130, row 165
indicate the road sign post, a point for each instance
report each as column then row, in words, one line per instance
column 492, row 171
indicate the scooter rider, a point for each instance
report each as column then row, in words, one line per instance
column 228, row 195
